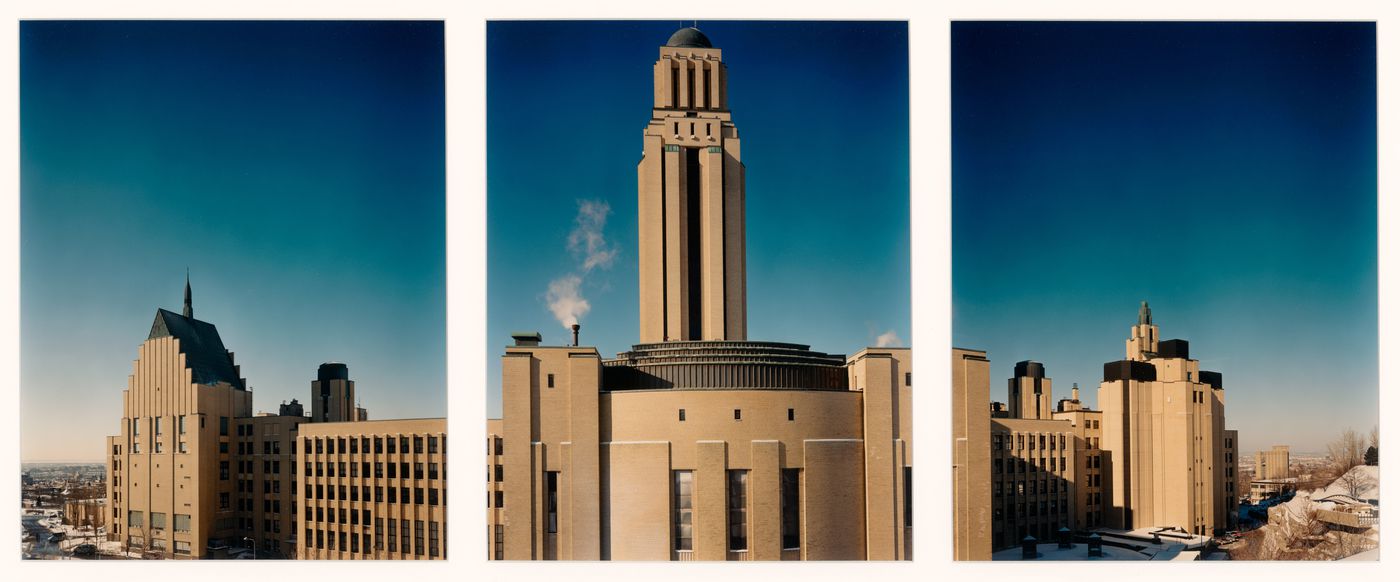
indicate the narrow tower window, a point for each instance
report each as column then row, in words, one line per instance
column 789, row 499
column 683, row 509
column 682, row 415
column 738, row 510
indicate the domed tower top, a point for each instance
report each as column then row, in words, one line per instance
column 689, row 37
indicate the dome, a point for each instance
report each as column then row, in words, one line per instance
column 689, row 37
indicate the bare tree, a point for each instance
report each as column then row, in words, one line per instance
column 1349, row 450
column 1355, row 482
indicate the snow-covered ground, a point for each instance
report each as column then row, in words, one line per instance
column 1295, row 532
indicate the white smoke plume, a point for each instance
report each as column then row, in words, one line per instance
column 889, row 339
column 565, row 301
column 592, row 249
column 587, row 240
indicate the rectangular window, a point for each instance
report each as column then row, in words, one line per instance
column 182, row 547
column 418, row 537
column 432, row 444
column 549, row 380
column 736, row 414
column 500, row 443
column 393, row 537
column 136, row 427
column 789, row 499
column 551, row 496
column 432, row 470
column 681, row 489
column 393, row 445
column 418, row 445
column 159, row 426
column 682, row 415
column 157, row 520
column 223, row 470
column 223, row 426
column 432, row 539
column 135, row 519
column 379, row 532
column 909, row 496
column 393, row 469
column 403, row 535
column 738, row 510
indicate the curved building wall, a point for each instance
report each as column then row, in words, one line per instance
column 595, row 473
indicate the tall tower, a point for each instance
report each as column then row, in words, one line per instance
column 690, row 200
column 333, row 394
column 1142, row 340
column 1028, row 393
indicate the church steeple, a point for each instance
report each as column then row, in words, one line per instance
column 189, row 306
column 1144, row 314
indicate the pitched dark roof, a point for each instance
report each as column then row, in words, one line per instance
column 204, row 351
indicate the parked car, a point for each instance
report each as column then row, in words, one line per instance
column 85, row 550
column 57, row 537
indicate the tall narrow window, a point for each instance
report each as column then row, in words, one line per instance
column 551, row 492
column 551, row 380
column 682, row 415
column 792, row 415
column 738, row 510
column 909, row 497
column 790, row 501
column 681, row 489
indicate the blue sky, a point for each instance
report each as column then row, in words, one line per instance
column 823, row 114
column 296, row 168
column 1224, row 172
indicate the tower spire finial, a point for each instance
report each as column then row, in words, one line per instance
column 1144, row 314
column 189, row 305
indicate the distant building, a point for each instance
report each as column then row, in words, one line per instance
column 194, row 474
column 1272, row 464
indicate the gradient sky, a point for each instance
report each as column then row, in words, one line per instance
column 822, row 110
column 296, row 168
column 1224, row 172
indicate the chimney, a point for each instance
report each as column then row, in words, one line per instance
column 575, row 328
column 1095, row 546
column 1028, row 548
column 1063, row 537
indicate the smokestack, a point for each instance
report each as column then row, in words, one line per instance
column 1074, row 392
column 575, row 328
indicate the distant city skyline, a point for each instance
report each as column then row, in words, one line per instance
column 295, row 168
column 1223, row 172
column 827, row 246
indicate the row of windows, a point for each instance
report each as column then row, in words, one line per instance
column 738, row 415
column 352, row 445
column 138, row 519
column 1018, row 465
column 398, row 536
column 1021, row 441
column 395, row 470
column 362, row 493
column 269, row 448
column 1028, row 509
column 157, row 544
column 1051, row 486
column 683, row 508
